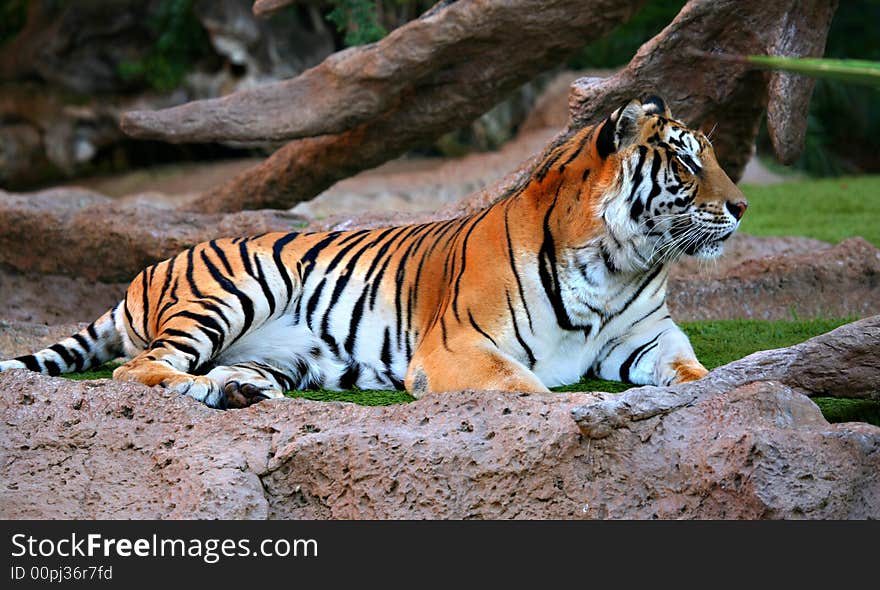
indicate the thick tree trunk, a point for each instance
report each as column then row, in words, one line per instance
column 366, row 105
column 267, row 7
column 725, row 97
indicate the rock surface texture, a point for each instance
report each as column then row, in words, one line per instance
column 811, row 279
column 67, row 231
column 745, row 442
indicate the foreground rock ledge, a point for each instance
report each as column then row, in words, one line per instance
column 743, row 443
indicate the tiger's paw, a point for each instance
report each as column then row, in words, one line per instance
column 198, row 387
column 244, row 386
column 241, row 394
column 688, row 371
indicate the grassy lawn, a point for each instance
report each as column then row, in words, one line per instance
column 829, row 209
column 716, row 343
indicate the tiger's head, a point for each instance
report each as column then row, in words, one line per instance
column 668, row 195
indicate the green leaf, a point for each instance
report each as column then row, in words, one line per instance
column 855, row 71
column 358, row 19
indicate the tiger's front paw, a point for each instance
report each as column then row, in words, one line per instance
column 244, row 385
column 687, row 371
column 198, row 387
column 241, row 394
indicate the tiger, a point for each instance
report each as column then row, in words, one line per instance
column 562, row 277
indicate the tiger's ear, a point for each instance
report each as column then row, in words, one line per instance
column 620, row 129
column 654, row 105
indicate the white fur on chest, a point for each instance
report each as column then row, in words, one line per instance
column 609, row 303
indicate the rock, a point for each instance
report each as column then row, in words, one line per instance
column 17, row 338
column 838, row 281
column 83, row 49
column 63, row 84
column 741, row 248
column 20, row 151
column 80, row 48
column 813, row 367
column 86, row 235
column 730, row 446
column 265, row 50
column 44, row 136
column 55, row 299
column 755, row 451
column 844, row 363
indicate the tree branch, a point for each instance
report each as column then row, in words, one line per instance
column 725, row 98
column 728, row 98
column 263, row 8
column 371, row 103
column 459, row 47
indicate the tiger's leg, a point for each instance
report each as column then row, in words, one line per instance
column 658, row 353
column 219, row 300
column 153, row 368
column 461, row 365
column 245, row 384
column 169, row 360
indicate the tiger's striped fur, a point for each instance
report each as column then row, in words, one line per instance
column 565, row 275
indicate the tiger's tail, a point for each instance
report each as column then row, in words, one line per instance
column 88, row 348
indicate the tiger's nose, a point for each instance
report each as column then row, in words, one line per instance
column 737, row 209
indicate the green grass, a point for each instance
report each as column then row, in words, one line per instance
column 364, row 397
column 103, row 372
column 715, row 342
column 830, row 209
column 849, row 410
column 720, row 342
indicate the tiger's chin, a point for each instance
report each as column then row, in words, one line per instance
column 709, row 250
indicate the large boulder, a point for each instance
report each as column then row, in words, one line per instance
column 17, row 338
column 775, row 278
column 745, row 442
column 43, row 300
